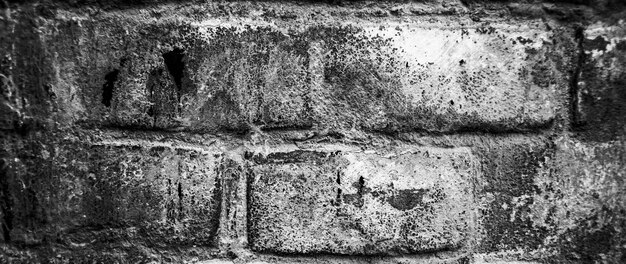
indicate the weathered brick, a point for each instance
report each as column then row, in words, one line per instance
column 80, row 192
column 199, row 78
column 28, row 100
column 397, row 77
column 254, row 75
column 600, row 100
column 510, row 166
column 436, row 77
column 580, row 201
column 351, row 202
column 316, row 72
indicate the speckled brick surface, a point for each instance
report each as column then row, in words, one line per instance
column 431, row 131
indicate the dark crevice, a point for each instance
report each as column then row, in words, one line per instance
column 180, row 194
column 169, row 187
column 478, row 128
column 338, row 180
column 360, row 186
column 153, row 90
column 286, row 128
column 175, row 66
column 217, row 213
column 293, row 157
column 250, row 204
column 389, row 255
column 180, row 201
column 240, row 134
column 109, row 87
column 5, row 203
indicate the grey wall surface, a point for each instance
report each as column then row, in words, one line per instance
column 313, row 131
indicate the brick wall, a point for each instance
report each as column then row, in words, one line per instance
column 313, row 132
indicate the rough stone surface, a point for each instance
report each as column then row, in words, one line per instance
column 435, row 77
column 600, row 103
column 439, row 131
column 510, row 166
column 436, row 74
column 405, row 201
column 580, row 200
column 85, row 193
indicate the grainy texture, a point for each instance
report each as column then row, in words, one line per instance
column 601, row 81
column 436, row 131
column 405, row 201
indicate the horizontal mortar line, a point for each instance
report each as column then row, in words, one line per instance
column 149, row 143
column 496, row 21
column 413, row 256
column 177, row 138
column 170, row 248
column 320, row 5
column 282, row 5
column 286, row 146
column 541, row 129
column 160, row 131
column 468, row 132
column 362, row 138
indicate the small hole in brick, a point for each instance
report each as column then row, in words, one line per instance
column 108, row 87
column 175, row 65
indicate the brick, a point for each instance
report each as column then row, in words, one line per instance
column 390, row 78
column 600, row 100
column 195, row 78
column 83, row 192
column 511, row 166
column 257, row 75
column 25, row 74
column 436, row 77
column 357, row 203
column 580, row 200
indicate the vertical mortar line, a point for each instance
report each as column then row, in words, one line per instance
column 339, row 190
column 242, row 208
column 223, row 232
column 575, row 118
column 232, row 232
column 315, row 74
column 180, row 191
column 247, row 196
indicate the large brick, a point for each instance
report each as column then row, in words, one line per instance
column 78, row 192
column 352, row 202
column 437, row 77
column 176, row 75
column 392, row 77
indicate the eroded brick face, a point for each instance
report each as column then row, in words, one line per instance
column 437, row 75
column 112, row 192
column 405, row 201
column 461, row 131
column 600, row 82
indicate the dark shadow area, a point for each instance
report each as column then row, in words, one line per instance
column 109, row 87
column 175, row 66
